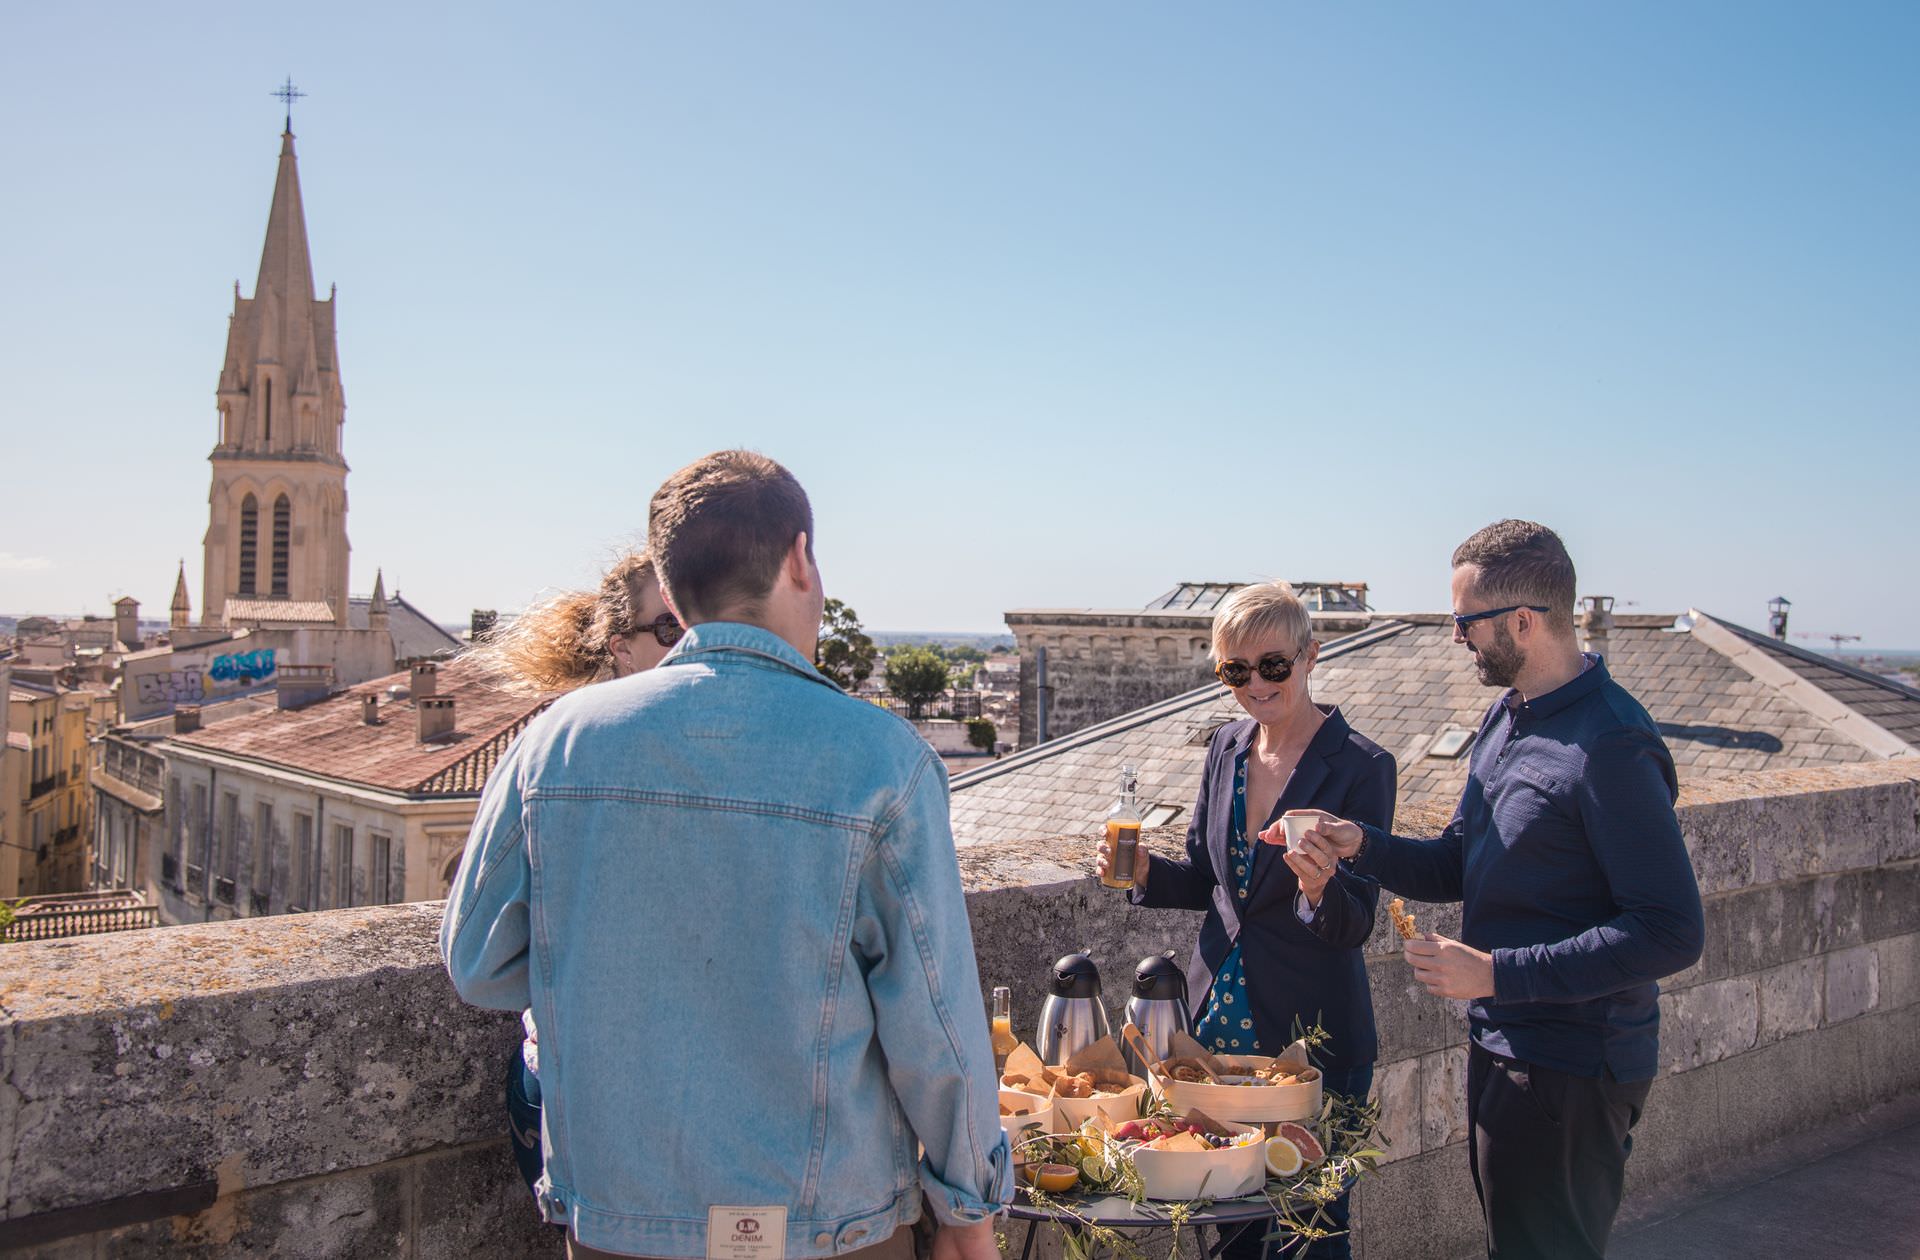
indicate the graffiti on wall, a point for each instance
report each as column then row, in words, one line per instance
column 176, row 686
column 243, row 667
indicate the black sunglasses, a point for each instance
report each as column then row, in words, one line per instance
column 666, row 631
column 1462, row 621
column 1275, row 667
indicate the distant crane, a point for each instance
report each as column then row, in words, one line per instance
column 1835, row 639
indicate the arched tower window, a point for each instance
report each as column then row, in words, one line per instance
column 249, row 543
column 282, row 540
column 267, row 427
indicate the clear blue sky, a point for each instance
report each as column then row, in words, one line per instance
column 1047, row 305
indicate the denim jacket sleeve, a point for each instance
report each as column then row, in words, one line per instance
column 485, row 933
column 914, row 940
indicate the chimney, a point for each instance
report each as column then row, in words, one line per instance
column 126, row 622
column 436, row 716
column 1596, row 620
column 186, row 719
column 421, row 682
column 297, row 686
column 482, row 623
column 370, row 708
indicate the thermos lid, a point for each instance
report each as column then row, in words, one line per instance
column 1075, row 976
column 1159, row 979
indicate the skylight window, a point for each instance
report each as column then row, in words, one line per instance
column 1161, row 815
column 1450, row 742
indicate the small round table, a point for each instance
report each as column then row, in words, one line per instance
column 1228, row 1217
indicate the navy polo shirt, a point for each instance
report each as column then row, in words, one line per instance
column 1569, row 862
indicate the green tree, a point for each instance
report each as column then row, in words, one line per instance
column 982, row 734
column 845, row 653
column 916, row 676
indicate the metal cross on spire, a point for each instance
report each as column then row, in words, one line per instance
column 288, row 93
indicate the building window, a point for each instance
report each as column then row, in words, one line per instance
column 300, row 875
column 382, row 850
column 228, row 836
column 282, row 541
column 197, row 824
column 262, row 846
column 266, row 396
column 249, row 543
column 342, row 865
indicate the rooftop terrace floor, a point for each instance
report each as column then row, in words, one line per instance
column 1856, row 1198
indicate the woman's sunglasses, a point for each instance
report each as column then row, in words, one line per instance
column 1275, row 667
column 666, row 631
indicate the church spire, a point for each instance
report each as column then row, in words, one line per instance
column 286, row 270
column 276, row 525
column 182, row 611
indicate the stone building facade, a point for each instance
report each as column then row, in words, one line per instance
column 1100, row 664
column 128, row 814
column 54, row 813
column 361, row 798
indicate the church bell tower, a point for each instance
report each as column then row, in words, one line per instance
column 277, row 511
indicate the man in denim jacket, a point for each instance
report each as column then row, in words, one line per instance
column 728, row 892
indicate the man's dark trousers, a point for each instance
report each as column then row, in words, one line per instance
column 1549, row 1153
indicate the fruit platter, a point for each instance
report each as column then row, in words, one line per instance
column 1252, row 1089
column 1167, row 1157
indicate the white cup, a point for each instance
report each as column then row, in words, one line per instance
column 1297, row 825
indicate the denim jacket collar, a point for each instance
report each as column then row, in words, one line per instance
column 711, row 637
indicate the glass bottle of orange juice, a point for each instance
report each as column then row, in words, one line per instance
column 1123, row 833
column 1003, row 1038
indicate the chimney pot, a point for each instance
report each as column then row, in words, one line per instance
column 1596, row 622
column 370, row 709
column 422, row 680
column 435, row 716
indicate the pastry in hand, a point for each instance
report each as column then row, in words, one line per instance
column 1402, row 921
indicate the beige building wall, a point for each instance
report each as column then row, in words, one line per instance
column 55, row 804
column 243, row 839
column 154, row 683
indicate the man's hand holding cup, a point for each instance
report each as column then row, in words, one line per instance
column 1315, row 841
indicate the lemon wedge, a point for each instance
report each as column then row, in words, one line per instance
column 1283, row 1157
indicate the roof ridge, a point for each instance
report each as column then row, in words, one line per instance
column 1153, row 712
column 1814, row 658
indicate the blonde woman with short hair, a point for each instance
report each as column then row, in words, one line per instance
column 1281, row 943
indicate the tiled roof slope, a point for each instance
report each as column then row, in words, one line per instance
column 1892, row 706
column 330, row 739
column 1399, row 683
column 416, row 636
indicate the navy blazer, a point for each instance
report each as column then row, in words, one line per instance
column 1315, row 972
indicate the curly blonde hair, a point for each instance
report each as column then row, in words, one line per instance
column 565, row 642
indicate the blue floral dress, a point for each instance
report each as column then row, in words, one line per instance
column 1226, row 1026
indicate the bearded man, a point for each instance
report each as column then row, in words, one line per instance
column 1577, row 897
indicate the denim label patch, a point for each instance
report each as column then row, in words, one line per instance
column 746, row 1233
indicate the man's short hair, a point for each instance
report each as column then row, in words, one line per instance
column 1253, row 612
column 1520, row 562
column 719, row 528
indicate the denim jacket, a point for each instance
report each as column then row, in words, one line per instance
column 728, row 892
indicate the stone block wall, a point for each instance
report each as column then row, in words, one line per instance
column 1103, row 664
column 310, row 1086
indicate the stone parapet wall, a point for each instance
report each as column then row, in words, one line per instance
column 310, row 1085
column 1103, row 664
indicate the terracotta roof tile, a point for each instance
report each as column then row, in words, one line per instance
column 329, row 738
